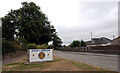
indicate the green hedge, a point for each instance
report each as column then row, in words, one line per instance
column 45, row 46
column 42, row 46
column 32, row 46
column 50, row 46
column 7, row 47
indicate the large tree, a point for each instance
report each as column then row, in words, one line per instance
column 29, row 23
column 8, row 29
column 57, row 41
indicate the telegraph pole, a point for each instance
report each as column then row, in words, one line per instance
column 91, row 35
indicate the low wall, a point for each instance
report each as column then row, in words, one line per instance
column 109, row 47
column 115, row 49
column 15, row 54
column 77, row 49
column 114, row 52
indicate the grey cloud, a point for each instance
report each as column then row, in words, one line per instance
column 99, row 18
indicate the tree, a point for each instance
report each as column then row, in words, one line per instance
column 56, row 42
column 8, row 29
column 30, row 22
column 75, row 43
column 82, row 43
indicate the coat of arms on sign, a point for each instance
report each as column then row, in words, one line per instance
column 41, row 55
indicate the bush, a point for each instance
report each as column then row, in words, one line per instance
column 82, row 43
column 42, row 46
column 32, row 46
column 8, row 47
column 75, row 43
column 50, row 46
column 22, row 42
column 17, row 45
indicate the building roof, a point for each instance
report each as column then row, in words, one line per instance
column 96, row 41
column 116, row 41
column 88, row 42
column 116, row 38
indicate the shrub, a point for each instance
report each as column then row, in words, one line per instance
column 22, row 42
column 17, row 45
column 24, row 46
column 32, row 46
column 7, row 47
column 42, row 46
column 50, row 46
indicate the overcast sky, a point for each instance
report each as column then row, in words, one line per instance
column 73, row 19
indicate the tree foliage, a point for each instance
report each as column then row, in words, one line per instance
column 56, row 42
column 75, row 43
column 82, row 43
column 29, row 23
column 8, row 29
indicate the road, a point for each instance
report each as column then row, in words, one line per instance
column 109, row 62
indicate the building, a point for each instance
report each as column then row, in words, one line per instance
column 99, row 41
column 115, row 41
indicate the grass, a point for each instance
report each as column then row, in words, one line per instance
column 20, row 65
column 50, row 65
column 13, row 64
column 54, row 60
column 23, row 66
column 88, row 67
column 32, row 65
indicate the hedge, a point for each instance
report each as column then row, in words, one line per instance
column 8, row 46
column 32, row 46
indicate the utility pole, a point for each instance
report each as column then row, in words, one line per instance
column 91, row 35
column 91, row 39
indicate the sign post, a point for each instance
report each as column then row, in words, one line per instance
column 39, row 55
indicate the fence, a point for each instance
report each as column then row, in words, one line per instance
column 114, row 49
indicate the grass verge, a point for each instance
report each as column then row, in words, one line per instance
column 58, row 64
column 87, row 67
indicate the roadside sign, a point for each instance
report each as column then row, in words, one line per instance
column 37, row 55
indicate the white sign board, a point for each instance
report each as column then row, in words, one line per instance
column 37, row 55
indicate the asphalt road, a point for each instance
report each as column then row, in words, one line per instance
column 100, row 60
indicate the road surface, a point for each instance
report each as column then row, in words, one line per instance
column 104, row 61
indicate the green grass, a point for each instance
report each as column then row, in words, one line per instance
column 54, row 60
column 88, row 67
column 13, row 64
column 21, row 66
